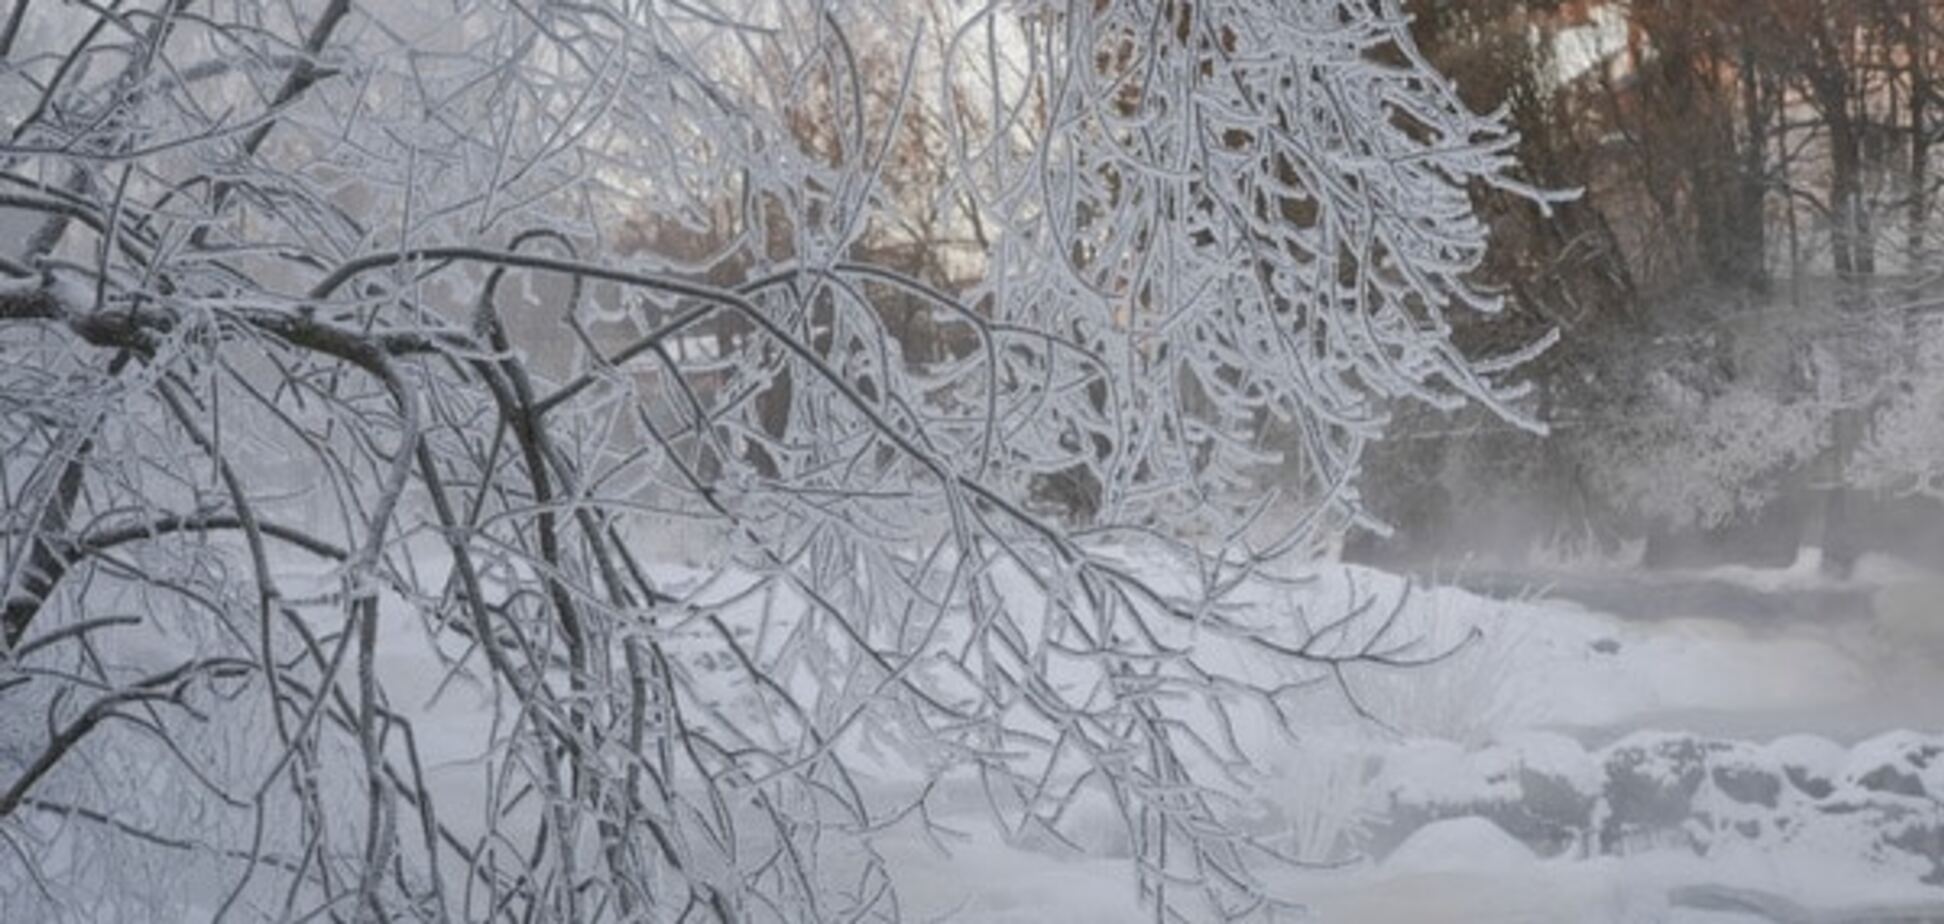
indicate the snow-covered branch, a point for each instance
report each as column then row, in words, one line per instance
column 550, row 474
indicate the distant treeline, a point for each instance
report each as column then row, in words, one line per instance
column 1748, row 282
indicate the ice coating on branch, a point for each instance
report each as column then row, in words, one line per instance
column 948, row 349
column 1259, row 211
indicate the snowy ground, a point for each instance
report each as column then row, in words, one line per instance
column 1460, row 872
column 1538, row 666
column 1544, row 665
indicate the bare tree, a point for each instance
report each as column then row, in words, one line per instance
column 332, row 414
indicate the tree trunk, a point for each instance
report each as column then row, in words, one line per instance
column 1855, row 261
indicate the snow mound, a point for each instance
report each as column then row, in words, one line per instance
column 1460, row 845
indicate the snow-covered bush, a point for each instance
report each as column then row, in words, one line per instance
column 1875, row 803
column 1701, row 457
column 1904, row 450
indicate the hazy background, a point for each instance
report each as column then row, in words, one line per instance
column 1748, row 289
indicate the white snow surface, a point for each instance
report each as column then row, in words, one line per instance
column 1533, row 672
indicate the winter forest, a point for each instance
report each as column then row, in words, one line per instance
column 1074, row 461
